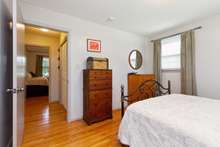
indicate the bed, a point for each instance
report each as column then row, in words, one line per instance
column 36, row 86
column 171, row 121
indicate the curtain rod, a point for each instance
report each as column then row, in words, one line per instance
column 197, row 28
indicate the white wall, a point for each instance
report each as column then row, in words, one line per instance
column 207, row 55
column 116, row 46
column 53, row 44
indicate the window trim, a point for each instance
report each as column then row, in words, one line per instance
column 171, row 70
column 173, row 55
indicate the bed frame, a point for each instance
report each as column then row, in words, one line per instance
column 36, row 90
column 146, row 90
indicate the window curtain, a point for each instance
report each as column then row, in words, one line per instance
column 157, row 60
column 188, row 78
column 39, row 61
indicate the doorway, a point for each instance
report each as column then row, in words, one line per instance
column 46, row 72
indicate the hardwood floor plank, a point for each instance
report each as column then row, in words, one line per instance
column 46, row 126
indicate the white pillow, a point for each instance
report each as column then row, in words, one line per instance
column 29, row 76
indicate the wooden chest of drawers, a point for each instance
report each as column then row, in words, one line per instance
column 97, row 95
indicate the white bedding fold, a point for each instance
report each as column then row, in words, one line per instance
column 43, row 81
column 172, row 121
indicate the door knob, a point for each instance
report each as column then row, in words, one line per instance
column 20, row 89
column 11, row 90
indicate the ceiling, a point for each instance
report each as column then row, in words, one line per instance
column 37, row 30
column 138, row 16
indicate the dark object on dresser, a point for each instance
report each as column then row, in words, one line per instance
column 97, row 63
column 97, row 95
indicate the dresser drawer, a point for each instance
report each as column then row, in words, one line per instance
column 100, row 75
column 99, row 95
column 100, row 109
column 100, row 84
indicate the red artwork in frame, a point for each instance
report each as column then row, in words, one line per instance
column 93, row 45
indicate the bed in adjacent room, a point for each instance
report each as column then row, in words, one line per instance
column 36, row 86
column 172, row 121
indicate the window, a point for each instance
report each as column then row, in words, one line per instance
column 170, row 53
column 45, row 66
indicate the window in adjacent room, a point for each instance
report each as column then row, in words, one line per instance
column 170, row 53
column 45, row 66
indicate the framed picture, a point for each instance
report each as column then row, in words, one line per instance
column 93, row 45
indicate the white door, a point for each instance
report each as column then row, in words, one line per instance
column 63, row 74
column 19, row 68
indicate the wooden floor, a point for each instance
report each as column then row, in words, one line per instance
column 46, row 126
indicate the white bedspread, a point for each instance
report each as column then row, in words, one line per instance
column 172, row 121
column 43, row 81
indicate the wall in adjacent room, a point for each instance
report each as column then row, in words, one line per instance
column 31, row 57
column 207, row 56
column 116, row 45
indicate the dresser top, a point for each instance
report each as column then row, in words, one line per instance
column 97, row 70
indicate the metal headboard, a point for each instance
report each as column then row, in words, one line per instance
column 148, row 89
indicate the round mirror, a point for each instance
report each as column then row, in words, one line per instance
column 135, row 59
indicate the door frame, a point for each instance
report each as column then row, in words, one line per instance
column 67, row 31
column 14, row 22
